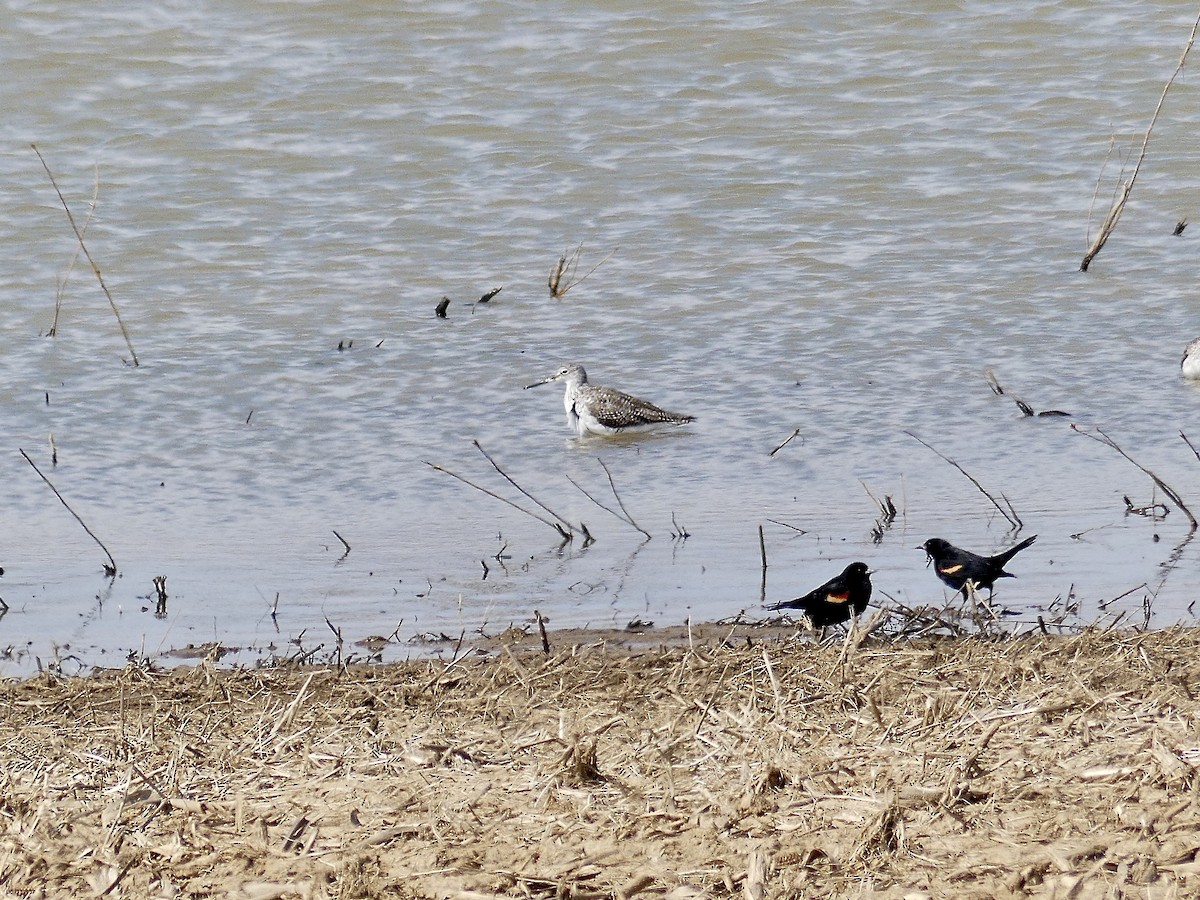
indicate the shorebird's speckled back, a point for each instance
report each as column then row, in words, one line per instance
column 601, row 410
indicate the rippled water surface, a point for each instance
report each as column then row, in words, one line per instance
column 831, row 219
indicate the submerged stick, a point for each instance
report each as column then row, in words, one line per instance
column 1163, row 486
column 111, row 569
column 95, row 268
column 1010, row 514
column 1114, row 213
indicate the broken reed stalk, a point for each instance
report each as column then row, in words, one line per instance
column 566, row 535
column 95, row 268
column 1163, row 486
column 111, row 569
column 887, row 508
column 509, row 479
column 1114, row 213
column 762, row 549
column 1010, row 514
column 61, row 288
column 566, row 269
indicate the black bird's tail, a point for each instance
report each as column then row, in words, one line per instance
column 802, row 603
column 1001, row 558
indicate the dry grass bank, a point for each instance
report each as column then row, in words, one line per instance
column 1040, row 766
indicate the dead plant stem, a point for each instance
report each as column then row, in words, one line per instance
column 1010, row 514
column 95, row 268
column 61, row 288
column 566, row 535
column 623, row 515
column 1114, row 213
column 111, row 569
column 511, row 481
column 1163, row 486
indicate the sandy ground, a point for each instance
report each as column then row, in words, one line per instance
column 727, row 762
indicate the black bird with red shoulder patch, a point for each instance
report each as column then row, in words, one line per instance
column 956, row 567
column 836, row 600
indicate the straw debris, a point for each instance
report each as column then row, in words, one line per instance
column 725, row 765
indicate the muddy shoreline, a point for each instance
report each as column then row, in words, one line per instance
column 713, row 761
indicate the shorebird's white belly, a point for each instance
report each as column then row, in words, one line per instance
column 1191, row 360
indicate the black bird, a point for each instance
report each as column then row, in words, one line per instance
column 837, row 599
column 956, row 567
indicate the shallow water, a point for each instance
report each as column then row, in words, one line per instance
column 834, row 220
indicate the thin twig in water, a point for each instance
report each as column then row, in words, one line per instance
column 1114, row 213
column 620, row 503
column 790, row 437
column 510, row 480
column 1172, row 561
column 680, row 532
column 95, row 268
column 1163, row 486
column 1189, row 443
column 786, row 525
column 566, row 535
column 887, row 508
column 1010, row 514
column 111, row 569
column 343, row 540
column 623, row 515
column 990, row 377
column 585, row 493
column 1105, row 604
column 887, row 514
column 61, row 287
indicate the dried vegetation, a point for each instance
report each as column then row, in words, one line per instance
column 726, row 766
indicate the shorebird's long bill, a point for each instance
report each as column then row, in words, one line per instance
column 536, row 383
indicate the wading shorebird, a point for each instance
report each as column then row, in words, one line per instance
column 1190, row 364
column 957, row 568
column 601, row 410
column 837, row 600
